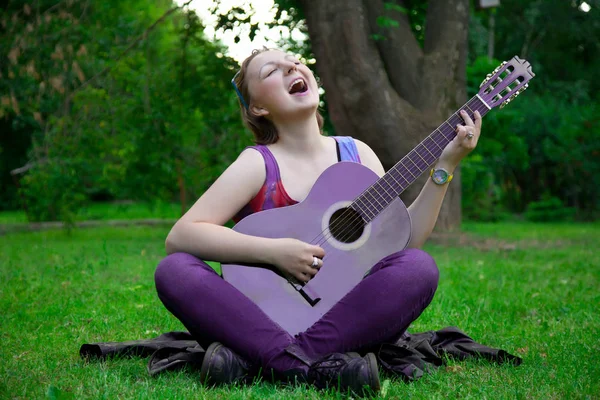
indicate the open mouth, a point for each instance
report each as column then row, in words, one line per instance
column 297, row 86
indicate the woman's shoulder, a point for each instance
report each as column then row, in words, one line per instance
column 361, row 146
column 368, row 156
column 251, row 157
column 351, row 139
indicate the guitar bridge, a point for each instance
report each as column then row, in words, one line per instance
column 311, row 297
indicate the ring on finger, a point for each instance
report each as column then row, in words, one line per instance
column 315, row 262
column 470, row 135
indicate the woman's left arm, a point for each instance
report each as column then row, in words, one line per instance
column 425, row 209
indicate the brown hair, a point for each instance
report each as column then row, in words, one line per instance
column 264, row 130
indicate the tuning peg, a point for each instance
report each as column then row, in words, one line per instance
column 486, row 80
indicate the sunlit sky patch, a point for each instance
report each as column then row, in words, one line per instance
column 585, row 7
column 263, row 14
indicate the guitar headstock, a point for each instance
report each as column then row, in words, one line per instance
column 506, row 82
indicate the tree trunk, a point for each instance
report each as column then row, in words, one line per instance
column 391, row 93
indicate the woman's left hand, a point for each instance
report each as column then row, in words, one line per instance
column 465, row 141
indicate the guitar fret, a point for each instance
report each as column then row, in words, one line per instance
column 373, row 197
column 406, row 168
column 385, row 190
column 451, row 127
column 418, row 165
column 425, row 156
column 456, row 120
column 444, row 135
column 392, row 175
column 365, row 208
column 402, row 175
column 369, row 202
column 378, row 195
column 362, row 200
column 414, row 163
column 437, row 145
column 425, row 147
column 421, row 157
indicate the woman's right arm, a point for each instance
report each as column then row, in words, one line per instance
column 201, row 232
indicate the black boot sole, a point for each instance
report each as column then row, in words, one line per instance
column 373, row 372
column 204, row 369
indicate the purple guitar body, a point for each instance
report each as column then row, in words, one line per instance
column 344, row 264
column 356, row 216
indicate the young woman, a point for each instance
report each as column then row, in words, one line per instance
column 279, row 99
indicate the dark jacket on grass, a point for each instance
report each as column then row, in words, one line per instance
column 409, row 357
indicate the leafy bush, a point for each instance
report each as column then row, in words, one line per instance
column 550, row 209
column 53, row 191
column 159, row 126
column 545, row 144
column 481, row 194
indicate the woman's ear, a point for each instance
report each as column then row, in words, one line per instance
column 258, row 110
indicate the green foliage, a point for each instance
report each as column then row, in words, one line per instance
column 481, row 193
column 546, row 142
column 55, row 191
column 394, row 7
column 160, row 122
column 387, row 22
column 542, row 144
column 549, row 209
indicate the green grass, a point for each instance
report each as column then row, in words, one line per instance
column 531, row 289
column 109, row 211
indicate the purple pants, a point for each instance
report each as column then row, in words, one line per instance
column 380, row 308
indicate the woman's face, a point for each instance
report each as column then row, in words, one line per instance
column 281, row 86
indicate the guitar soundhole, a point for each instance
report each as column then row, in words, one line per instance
column 346, row 225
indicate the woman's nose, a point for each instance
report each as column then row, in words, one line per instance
column 291, row 67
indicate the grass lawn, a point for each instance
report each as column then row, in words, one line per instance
column 109, row 211
column 533, row 290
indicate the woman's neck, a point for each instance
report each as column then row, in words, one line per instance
column 302, row 137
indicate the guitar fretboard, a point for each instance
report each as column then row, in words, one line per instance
column 378, row 196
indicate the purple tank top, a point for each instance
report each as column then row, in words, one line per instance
column 272, row 194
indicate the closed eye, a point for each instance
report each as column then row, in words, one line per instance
column 270, row 73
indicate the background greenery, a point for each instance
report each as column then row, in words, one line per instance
column 101, row 108
column 115, row 121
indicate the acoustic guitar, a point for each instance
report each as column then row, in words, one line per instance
column 355, row 215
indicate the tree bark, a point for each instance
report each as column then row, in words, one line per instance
column 392, row 93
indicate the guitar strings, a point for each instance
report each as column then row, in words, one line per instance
column 348, row 218
column 355, row 218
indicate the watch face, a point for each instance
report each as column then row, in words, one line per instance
column 439, row 176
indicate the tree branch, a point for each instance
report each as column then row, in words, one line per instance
column 398, row 47
column 446, row 30
column 446, row 24
column 131, row 46
column 360, row 97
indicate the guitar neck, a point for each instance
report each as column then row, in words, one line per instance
column 378, row 196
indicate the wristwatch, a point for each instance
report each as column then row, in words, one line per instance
column 440, row 176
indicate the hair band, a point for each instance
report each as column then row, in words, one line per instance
column 238, row 90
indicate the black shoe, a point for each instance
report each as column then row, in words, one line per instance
column 346, row 372
column 222, row 366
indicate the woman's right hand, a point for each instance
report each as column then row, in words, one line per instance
column 294, row 258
